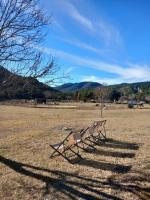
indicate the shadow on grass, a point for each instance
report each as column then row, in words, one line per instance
column 134, row 183
column 119, row 144
column 117, row 168
column 59, row 184
column 113, row 154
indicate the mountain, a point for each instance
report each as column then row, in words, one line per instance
column 87, row 91
column 15, row 86
column 73, row 87
column 131, row 88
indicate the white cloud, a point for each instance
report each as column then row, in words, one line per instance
column 86, row 46
column 105, row 52
column 75, row 14
column 128, row 73
column 99, row 30
column 109, row 33
column 106, row 32
column 69, row 69
column 55, row 23
column 108, row 81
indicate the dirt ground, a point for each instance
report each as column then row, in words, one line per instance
column 118, row 169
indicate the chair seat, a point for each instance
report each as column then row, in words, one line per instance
column 60, row 145
column 79, row 140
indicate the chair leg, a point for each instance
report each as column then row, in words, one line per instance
column 100, row 132
column 105, row 132
column 93, row 141
column 59, row 153
column 83, row 148
column 76, row 153
column 89, row 144
column 54, row 152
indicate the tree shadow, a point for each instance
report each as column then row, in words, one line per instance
column 133, row 184
column 117, row 168
column 119, row 144
column 59, row 184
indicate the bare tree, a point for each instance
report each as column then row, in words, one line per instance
column 23, row 26
column 102, row 94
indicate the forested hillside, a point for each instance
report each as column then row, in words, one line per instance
column 17, row 87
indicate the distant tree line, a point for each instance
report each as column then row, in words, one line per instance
column 36, row 90
column 136, row 91
column 18, row 89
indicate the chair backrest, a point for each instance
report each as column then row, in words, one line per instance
column 88, row 132
column 99, row 125
column 70, row 141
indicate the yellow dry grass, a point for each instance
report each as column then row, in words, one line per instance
column 118, row 169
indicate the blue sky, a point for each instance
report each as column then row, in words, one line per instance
column 107, row 41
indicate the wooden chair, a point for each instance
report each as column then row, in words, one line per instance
column 99, row 132
column 95, row 132
column 66, row 145
column 86, row 138
column 91, row 135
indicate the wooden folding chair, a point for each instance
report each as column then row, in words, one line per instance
column 99, row 132
column 86, row 135
column 66, row 145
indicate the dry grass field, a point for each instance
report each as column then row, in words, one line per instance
column 118, row 169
